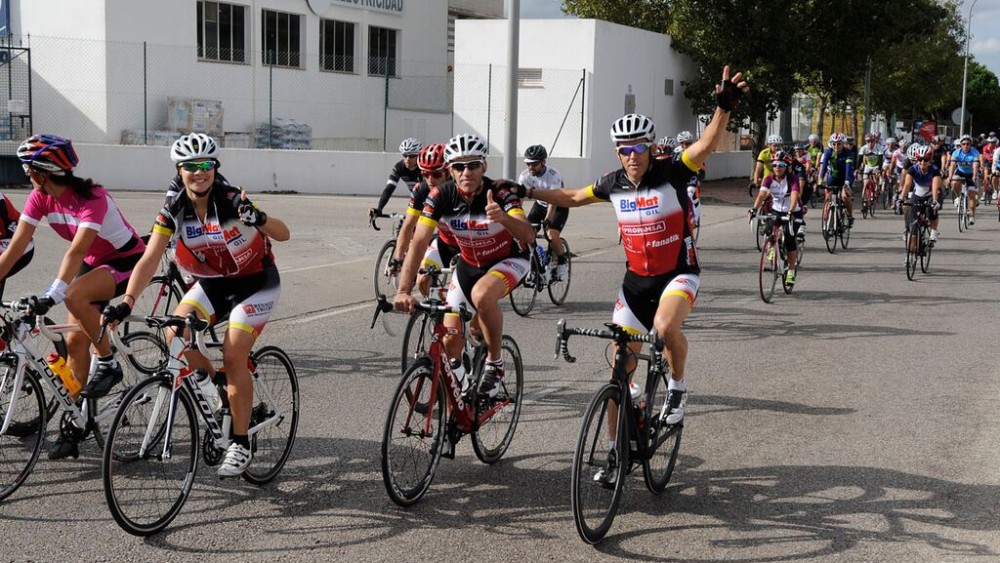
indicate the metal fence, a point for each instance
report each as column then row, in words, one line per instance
column 15, row 93
column 140, row 93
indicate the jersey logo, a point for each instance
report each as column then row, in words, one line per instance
column 469, row 225
column 641, row 203
column 632, row 230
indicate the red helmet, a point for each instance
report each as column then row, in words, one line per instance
column 431, row 157
column 48, row 152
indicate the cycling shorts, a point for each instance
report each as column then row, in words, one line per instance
column 640, row 296
column 248, row 301
column 120, row 269
column 967, row 178
column 932, row 213
column 798, row 220
column 868, row 170
column 538, row 212
column 439, row 254
column 465, row 276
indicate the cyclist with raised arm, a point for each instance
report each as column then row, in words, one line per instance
column 224, row 240
column 923, row 179
column 654, row 218
column 406, row 170
column 963, row 169
column 492, row 234
column 835, row 171
column 540, row 176
column 103, row 250
column 785, row 192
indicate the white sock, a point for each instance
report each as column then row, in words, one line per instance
column 678, row 385
column 611, row 444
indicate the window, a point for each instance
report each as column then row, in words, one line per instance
column 529, row 78
column 222, row 32
column 280, row 39
column 382, row 44
column 336, row 43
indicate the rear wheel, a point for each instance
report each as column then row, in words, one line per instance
column 274, row 419
column 598, row 469
column 413, row 435
column 559, row 288
column 385, row 284
column 22, row 441
column 491, row 440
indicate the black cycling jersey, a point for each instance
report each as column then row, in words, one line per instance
column 399, row 172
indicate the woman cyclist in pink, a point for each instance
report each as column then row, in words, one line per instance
column 103, row 250
column 224, row 241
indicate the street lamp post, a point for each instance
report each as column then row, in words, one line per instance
column 965, row 74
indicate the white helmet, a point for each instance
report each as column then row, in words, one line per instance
column 465, row 144
column 837, row 137
column 912, row 151
column 890, row 141
column 774, row 140
column 813, row 138
column 632, row 126
column 410, row 145
column 667, row 143
column 685, row 137
column 195, row 146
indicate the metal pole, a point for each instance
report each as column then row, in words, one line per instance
column 145, row 101
column 270, row 103
column 510, row 138
column 489, row 103
column 868, row 94
column 965, row 73
column 385, row 110
column 583, row 106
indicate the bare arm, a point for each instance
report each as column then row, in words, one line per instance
column 19, row 242
column 147, row 266
column 563, row 197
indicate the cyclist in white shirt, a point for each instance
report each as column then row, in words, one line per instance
column 540, row 176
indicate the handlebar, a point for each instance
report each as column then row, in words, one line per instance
column 614, row 332
column 374, row 215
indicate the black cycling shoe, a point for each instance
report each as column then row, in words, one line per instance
column 65, row 446
column 105, row 377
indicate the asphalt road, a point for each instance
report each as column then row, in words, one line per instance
column 854, row 420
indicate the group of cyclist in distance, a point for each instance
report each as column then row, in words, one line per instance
column 455, row 209
column 222, row 239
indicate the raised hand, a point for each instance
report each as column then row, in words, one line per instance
column 730, row 91
column 249, row 214
column 493, row 210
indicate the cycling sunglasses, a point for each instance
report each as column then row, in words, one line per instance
column 461, row 166
column 923, row 160
column 637, row 149
column 779, row 164
column 196, row 166
column 432, row 174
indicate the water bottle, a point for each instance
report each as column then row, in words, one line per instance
column 639, row 403
column 208, row 389
column 541, row 255
column 59, row 367
column 459, row 369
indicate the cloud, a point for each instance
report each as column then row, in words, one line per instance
column 987, row 46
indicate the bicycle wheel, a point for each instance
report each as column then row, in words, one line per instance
column 596, row 484
column 664, row 439
column 830, row 231
column 274, row 419
column 144, row 488
column 844, row 233
column 886, row 198
column 21, row 443
column 148, row 354
column 769, row 272
column 761, row 233
column 963, row 221
column 522, row 297
column 911, row 257
column 414, row 434
column 559, row 288
column 160, row 297
column 384, row 283
column 498, row 416
column 416, row 338
column 927, row 247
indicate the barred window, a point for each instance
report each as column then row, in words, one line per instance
column 280, row 38
column 336, row 40
column 221, row 31
column 382, row 54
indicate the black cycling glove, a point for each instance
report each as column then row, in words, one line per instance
column 117, row 313
column 250, row 215
column 729, row 96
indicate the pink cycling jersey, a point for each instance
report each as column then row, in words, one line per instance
column 72, row 212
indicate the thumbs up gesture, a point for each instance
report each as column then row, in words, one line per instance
column 249, row 214
column 493, row 210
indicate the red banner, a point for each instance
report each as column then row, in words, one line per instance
column 928, row 129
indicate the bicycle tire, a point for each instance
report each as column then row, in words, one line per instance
column 559, row 289
column 275, row 394
column 830, row 231
column 594, row 504
column 144, row 490
column 664, row 439
column 160, row 297
column 22, row 442
column 925, row 256
column 149, row 354
column 845, row 230
column 761, row 233
column 416, row 340
column 768, row 272
column 523, row 296
column 404, row 448
column 493, row 436
column 911, row 259
column 384, row 284
column 962, row 221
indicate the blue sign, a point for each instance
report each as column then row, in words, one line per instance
column 5, row 18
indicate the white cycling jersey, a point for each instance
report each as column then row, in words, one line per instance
column 550, row 179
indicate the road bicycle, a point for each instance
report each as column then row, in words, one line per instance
column 637, row 425
column 835, row 223
column 963, row 208
column 431, row 411
column 869, row 198
column 154, row 443
column 919, row 244
column 774, row 259
column 386, row 269
column 25, row 375
column 542, row 275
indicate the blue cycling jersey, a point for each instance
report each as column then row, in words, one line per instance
column 964, row 160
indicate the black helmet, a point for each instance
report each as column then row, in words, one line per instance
column 535, row 153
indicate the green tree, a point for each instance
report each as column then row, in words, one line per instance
column 652, row 15
column 982, row 99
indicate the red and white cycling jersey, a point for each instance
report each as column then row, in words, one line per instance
column 654, row 217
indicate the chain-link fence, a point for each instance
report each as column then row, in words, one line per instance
column 15, row 93
column 147, row 94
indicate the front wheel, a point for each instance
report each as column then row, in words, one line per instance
column 911, row 255
column 498, row 416
column 148, row 475
column 664, row 439
column 559, row 288
column 522, row 297
column 416, row 338
column 385, row 284
column 274, row 418
column 927, row 247
column 963, row 215
column 414, row 435
column 830, row 231
column 598, row 468
column 845, row 230
column 768, row 272
column 21, row 399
